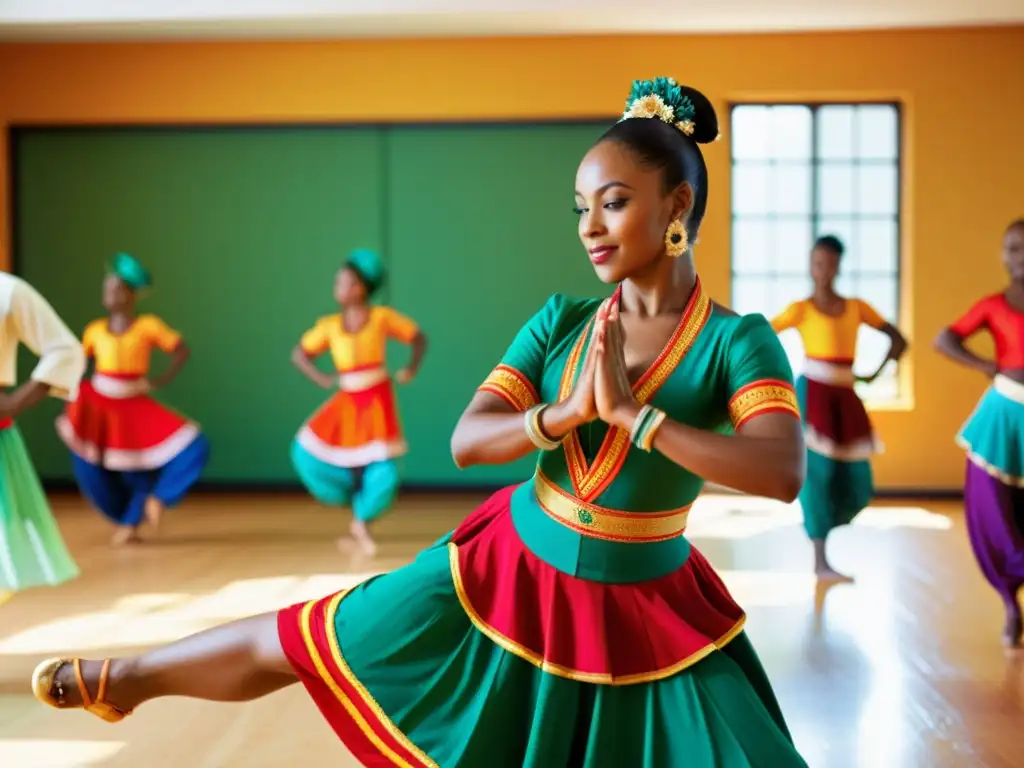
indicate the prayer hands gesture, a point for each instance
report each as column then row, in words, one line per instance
column 580, row 402
column 613, row 394
column 602, row 389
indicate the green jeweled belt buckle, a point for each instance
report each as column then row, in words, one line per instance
column 584, row 516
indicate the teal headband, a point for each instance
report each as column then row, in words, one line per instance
column 369, row 267
column 131, row 272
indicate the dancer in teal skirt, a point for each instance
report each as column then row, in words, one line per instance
column 567, row 621
column 32, row 552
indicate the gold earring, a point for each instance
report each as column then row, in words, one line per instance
column 676, row 241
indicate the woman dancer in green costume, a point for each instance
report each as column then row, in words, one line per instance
column 567, row 621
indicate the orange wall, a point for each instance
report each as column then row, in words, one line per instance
column 963, row 91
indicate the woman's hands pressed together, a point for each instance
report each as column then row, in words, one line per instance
column 602, row 389
column 613, row 395
column 580, row 405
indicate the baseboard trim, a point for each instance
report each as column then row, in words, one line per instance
column 922, row 494
column 451, row 489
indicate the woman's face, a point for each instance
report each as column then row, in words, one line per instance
column 348, row 288
column 623, row 211
column 1013, row 251
column 117, row 296
column 824, row 266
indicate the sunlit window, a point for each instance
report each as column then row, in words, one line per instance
column 804, row 170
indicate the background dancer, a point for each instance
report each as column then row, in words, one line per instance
column 993, row 436
column 346, row 453
column 132, row 456
column 839, row 435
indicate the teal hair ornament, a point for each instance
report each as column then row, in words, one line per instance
column 661, row 98
column 131, row 272
column 368, row 265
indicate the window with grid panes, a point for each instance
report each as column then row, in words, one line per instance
column 800, row 171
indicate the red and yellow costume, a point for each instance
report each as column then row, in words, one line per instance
column 125, row 444
column 837, row 430
column 359, row 427
column 114, row 422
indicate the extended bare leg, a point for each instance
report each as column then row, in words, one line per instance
column 239, row 661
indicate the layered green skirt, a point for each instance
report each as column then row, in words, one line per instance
column 408, row 674
column 32, row 552
column 840, row 441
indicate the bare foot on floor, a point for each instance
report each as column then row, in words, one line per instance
column 363, row 538
column 827, row 573
column 154, row 512
column 1013, row 631
column 346, row 545
column 124, row 536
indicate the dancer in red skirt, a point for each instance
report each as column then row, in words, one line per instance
column 838, row 433
column 132, row 456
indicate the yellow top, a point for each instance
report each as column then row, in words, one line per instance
column 127, row 353
column 365, row 347
column 826, row 337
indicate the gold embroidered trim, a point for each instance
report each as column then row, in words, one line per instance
column 574, row 455
column 601, row 678
column 590, row 481
column 346, row 702
column 762, row 396
column 512, row 386
column 604, row 523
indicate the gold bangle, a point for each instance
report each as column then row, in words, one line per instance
column 636, row 431
column 536, row 432
column 647, row 441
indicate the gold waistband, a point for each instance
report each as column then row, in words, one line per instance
column 609, row 524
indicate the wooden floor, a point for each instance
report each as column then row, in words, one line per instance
column 901, row 670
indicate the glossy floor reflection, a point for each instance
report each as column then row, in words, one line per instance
column 902, row 669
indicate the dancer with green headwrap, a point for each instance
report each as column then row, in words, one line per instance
column 132, row 456
column 346, row 452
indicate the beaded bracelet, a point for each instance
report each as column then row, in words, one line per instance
column 645, row 426
column 535, row 432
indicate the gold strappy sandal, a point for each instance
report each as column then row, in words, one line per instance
column 44, row 680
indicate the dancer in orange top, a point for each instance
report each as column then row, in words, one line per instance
column 132, row 457
column 358, row 431
column 837, row 430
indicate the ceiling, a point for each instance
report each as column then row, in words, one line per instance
column 283, row 19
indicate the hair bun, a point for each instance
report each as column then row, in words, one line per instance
column 686, row 108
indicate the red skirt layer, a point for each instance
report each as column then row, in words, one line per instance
column 306, row 631
column 836, row 424
column 123, row 434
column 586, row 630
column 836, row 413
